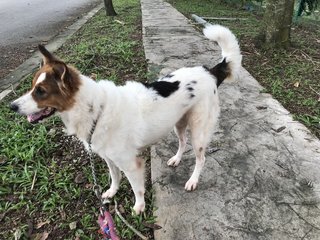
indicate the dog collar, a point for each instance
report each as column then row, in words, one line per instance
column 93, row 128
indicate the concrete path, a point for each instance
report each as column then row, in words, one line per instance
column 264, row 180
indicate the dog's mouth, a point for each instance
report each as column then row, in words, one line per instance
column 38, row 116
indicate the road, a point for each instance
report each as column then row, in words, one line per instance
column 26, row 23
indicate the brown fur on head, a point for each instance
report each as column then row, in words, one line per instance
column 58, row 88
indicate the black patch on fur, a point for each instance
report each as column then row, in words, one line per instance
column 90, row 108
column 190, row 89
column 214, row 91
column 221, row 71
column 192, row 95
column 164, row 88
column 168, row 76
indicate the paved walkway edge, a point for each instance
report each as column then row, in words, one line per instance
column 264, row 180
column 12, row 80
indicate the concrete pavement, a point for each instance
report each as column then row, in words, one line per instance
column 264, row 180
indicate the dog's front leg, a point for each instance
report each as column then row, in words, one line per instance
column 135, row 175
column 115, row 174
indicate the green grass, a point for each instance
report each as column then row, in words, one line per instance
column 38, row 164
column 277, row 70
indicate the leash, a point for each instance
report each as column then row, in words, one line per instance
column 107, row 227
column 106, row 223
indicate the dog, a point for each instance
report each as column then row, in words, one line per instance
column 118, row 121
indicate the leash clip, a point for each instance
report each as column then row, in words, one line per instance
column 107, row 228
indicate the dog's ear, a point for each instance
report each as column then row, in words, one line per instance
column 47, row 56
column 61, row 71
column 41, row 64
column 63, row 76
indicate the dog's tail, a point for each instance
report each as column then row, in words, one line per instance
column 230, row 66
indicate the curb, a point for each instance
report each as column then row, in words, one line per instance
column 23, row 71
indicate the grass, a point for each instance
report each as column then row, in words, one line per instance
column 46, row 181
column 290, row 75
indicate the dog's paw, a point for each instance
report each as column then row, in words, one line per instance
column 109, row 193
column 191, row 184
column 174, row 161
column 139, row 208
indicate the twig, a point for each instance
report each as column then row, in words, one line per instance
column 34, row 180
column 128, row 224
column 314, row 90
column 224, row 18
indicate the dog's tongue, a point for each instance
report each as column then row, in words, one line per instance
column 34, row 117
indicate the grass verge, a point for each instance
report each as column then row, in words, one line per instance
column 290, row 75
column 45, row 190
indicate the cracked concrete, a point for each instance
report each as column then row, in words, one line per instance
column 261, row 178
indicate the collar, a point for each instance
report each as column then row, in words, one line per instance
column 93, row 128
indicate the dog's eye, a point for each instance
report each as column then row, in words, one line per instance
column 40, row 92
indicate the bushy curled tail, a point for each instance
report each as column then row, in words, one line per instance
column 230, row 49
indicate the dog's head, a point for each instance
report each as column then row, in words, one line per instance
column 53, row 89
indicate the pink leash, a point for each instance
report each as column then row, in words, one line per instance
column 107, row 227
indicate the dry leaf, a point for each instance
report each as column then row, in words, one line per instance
column 88, row 185
column 41, row 236
column 73, row 225
column 45, row 235
column 296, row 84
column 152, row 225
column 62, row 214
column 40, row 224
column 93, row 76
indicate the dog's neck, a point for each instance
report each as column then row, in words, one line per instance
column 89, row 102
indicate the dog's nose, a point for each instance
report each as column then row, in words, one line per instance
column 14, row 107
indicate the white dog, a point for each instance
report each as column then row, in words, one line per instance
column 121, row 120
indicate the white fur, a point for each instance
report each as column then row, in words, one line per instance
column 229, row 46
column 27, row 105
column 133, row 116
column 41, row 78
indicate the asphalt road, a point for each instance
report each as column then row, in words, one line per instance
column 26, row 23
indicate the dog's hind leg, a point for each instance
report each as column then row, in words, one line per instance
column 180, row 130
column 115, row 174
column 201, row 130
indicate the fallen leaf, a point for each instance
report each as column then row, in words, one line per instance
column 93, row 76
column 45, row 235
column 80, row 178
column 62, row 214
column 40, row 224
column 296, row 84
column 41, row 236
column 73, row 225
column 88, row 185
column 152, row 225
